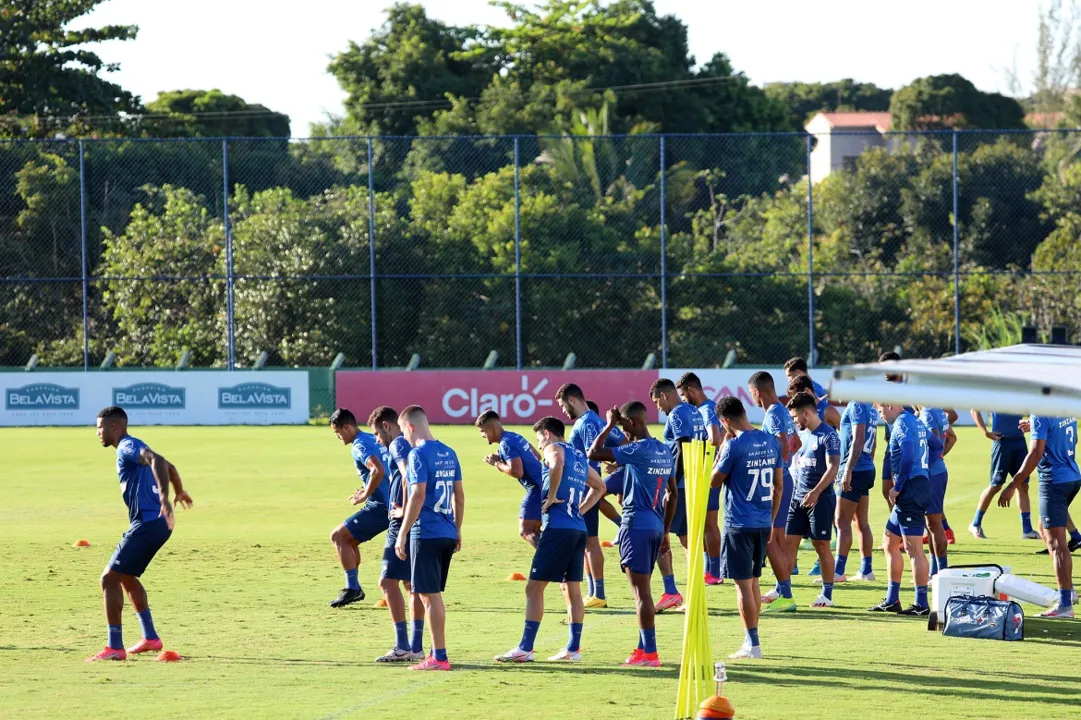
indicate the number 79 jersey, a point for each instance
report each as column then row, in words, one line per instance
column 434, row 465
column 748, row 461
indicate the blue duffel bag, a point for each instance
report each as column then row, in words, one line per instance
column 989, row 618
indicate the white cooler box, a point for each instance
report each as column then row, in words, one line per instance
column 961, row 580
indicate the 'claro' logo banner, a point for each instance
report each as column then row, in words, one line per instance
column 254, row 396
column 41, row 396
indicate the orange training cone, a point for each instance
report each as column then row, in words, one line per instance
column 606, row 544
column 516, row 577
column 169, row 656
column 381, row 604
column 716, row 707
column 81, row 543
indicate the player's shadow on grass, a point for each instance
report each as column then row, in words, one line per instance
column 53, row 648
column 1053, row 632
column 577, row 668
column 263, row 660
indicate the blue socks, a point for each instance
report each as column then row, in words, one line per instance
column 1026, row 522
column 590, row 585
column 934, row 565
column 351, row 581
column 893, row 593
column 401, row 636
column 575, row 641
column 1075, row 535
column 842, row 561
column 416, row 642
column 921, row 595
column 649, row 640
column 943, row 563
column 945, row 524
column 147, row 624
column 752, row 637
column 598, row 588
column 441, row 654
column 978, row 520
column 529, row 636
column 1065, row 599
column 795, row 568
column 713, row 566
column 827, row 590
column 670, row 585
column 865, row 566
column 116, row 640
column 785, row 588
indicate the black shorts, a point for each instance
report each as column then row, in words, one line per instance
column 559, row 556
column 430, row 563
column 393, row 567
column 743, row 552
column 815, row 522
column 138, row 547
column 1055, row 502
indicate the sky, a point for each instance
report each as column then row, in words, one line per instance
column 279, row 57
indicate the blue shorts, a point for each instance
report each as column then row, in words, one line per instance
column 393, row 567
column 559, row 557
column 1055, row 502
column 910, row 510
column 638, row 549
column 369, row 522
column 1007, row 457
column 862, row 482
column 813, row 522
column 531, row 504
column 937, row 505
column 679, row 522
column 613, row 484
column 743, row 552
column 593, row 521
column 138, row 546
column 781, row 520
column 714, row 503
column 430, row 563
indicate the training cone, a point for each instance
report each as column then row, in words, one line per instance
column 169, row 656
column 606, row 544
column 381, row 603
column 81, row 543
column 716, row 707
column 516, row 577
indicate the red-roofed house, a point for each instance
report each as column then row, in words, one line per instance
column 840, row 137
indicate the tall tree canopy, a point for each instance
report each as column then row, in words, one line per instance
column 803, row 100
column 211, row 113
column 951, row 101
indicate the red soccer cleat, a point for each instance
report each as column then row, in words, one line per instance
column 640, row 658
column 430, row 663
column 712, row 580
column 109, row 654
column 950, row 539
column 146, row 646
column 667, row 602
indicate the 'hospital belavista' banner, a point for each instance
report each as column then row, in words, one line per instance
column 194, row 397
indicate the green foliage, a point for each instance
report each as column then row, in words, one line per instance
column 951, row 101
column 803, row 100
column 211, row 113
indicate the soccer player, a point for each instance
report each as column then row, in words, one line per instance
column 683, row 424
column 1053, row 455
column 569, row 485
column 647, row 521
column 383, row 422
column 587, row 425
column 371, row 461
column 826, row 412
column 797, row 367
column 859, row 432
column 814, row 502
column 750, row 468
column 145, row 477
column 1008, row 452
column 939, row 443
column 887, row 471
column 690, row 389
column 432, row 526
column 910, row 497
column 778, row 424
column 517, row 458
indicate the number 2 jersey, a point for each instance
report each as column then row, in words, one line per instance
column 434, row 465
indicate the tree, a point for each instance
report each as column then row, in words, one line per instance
column 50, row 82
column 1058, row 60
column 950, row 101
column 803, row 100
column 211, row 113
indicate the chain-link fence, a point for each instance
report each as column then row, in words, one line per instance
column 518, row 251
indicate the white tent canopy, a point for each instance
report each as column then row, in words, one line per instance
column 1020, row 379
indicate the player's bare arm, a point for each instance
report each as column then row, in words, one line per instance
column 160, row 467
column 832, row 465
column 514, row 468
column 412, row 512
column 597, row 451
column 1035, row 454
column 459, row 511
column 859, row 434
column 977, row 417
column 778, row 482
column 669, row 516
column 376, row 472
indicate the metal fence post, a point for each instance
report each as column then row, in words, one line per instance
column 664, row 260
column 86, row 282
column 230, row 274
column 810, row 262
column 371, row 249
column 517, row 257
column 956, row 258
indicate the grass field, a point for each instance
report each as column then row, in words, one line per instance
column 242, row 588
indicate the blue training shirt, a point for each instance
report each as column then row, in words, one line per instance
column 857, row 414
column 365, row 446
column 1007, row 426
column 820, row 392
column 648, row 465
column 748, row 461
column 571, row 491
column 708, row 410
column 137, row 484
column 1059, row 462
column 586, row 429
column 938, row 424
column 435, row 465
column 683, row 423
column 396, row 488
column 908, row 450
column 819, row 445
column 776, row 422
column 512, row 445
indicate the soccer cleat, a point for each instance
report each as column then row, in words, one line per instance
column 430, row 663
column 916, row 611
column 977, row 532
column 396, row 654
column 1058, row 611
column 1043, row 551
column 145, row 645
column 781, row 605
column 1073, row 545
column 711, row 580
column 886, row 607
column 816, row 571
column 951, row 539
column 1030, row 535
column 347, row 597
column 747, row 652
column 1073, row 597
column 640, row 658
column 515, row 655
column 667, row 602
column 114, row 654
column 840, row 579
column 593, row 603
column 567, row 656
column 771, row 596
column 866, row 577
column 822, row 602
column 926, row 538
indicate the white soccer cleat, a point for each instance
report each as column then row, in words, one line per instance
column 1064, row 613
column 1030, row 535
column 746, row 652
column 567, row 656
column 771, row 596
column 977, row 532
column 822, row 602
column 866, row 577
column 398, row 655
column 515, row 655
column 840, row 579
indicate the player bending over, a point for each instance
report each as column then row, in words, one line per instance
column 690, row 389
column 859, row 432
column 517, row 458
column 145, row 477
